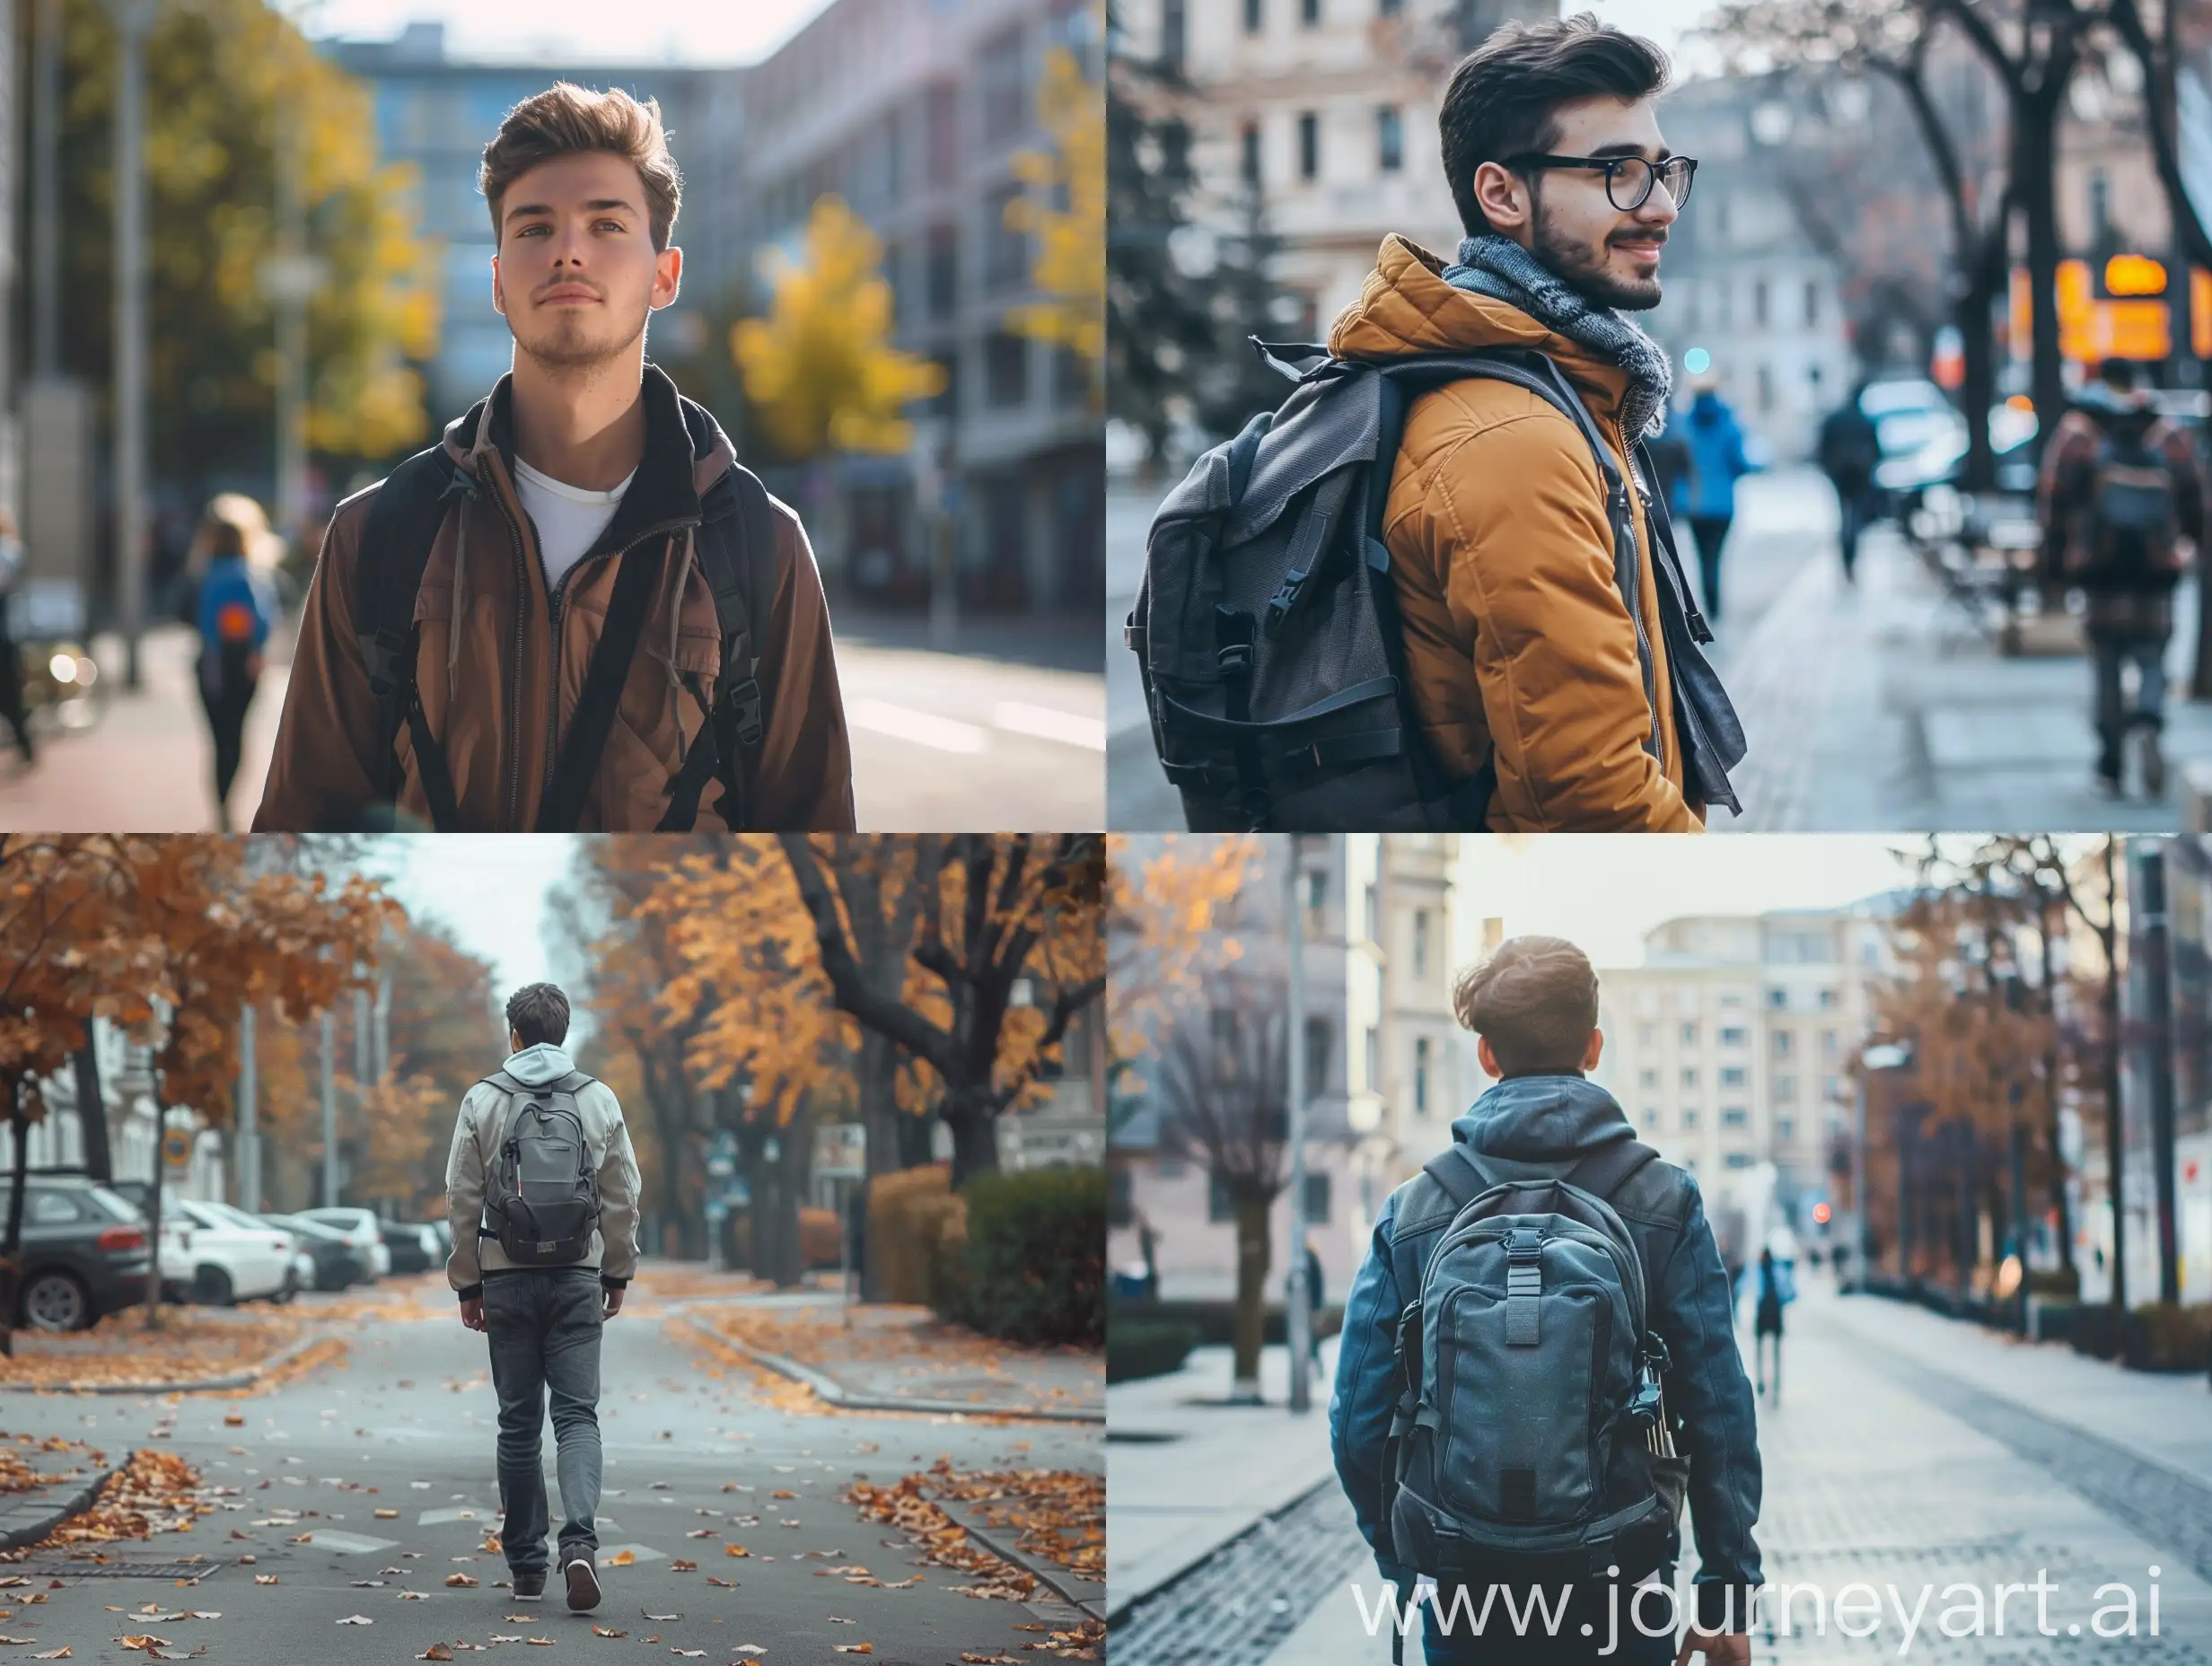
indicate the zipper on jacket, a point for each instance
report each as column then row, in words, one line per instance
column 514, row 665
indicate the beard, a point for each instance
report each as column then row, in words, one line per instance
column 1585, row 273
column 561, row 340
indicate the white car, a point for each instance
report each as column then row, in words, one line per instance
column 222, row 1256
column 362, row 1231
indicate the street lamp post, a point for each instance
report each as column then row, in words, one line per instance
column 1885, row 1056
column 2150, row 876
column 1297, row 1315
column 134, row 19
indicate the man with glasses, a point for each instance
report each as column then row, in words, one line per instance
column 1528, row 648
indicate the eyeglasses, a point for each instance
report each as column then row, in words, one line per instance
column 1628, row 177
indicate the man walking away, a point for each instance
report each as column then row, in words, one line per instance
column 1774, row 1293
column 12, row 706
column 2121, row 501
column 542, row 1172
column 1473, row 1462
column 1849, row 451
column 1706, row 499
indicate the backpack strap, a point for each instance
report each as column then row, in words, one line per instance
column 1605, row 1170
column 403, row 523
column 1663, row 535
column 637, row 575
column 736, row 543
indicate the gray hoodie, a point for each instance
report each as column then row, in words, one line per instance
column 484, row 1112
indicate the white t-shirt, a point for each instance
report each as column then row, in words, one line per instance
column 568, row 518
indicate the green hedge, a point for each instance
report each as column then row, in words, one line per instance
column 1139, row 1346
column 1214, row 1323
column 1036, row 1257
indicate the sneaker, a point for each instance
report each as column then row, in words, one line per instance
column 529, row 1587
column 2151, row 762
column 583, row 1582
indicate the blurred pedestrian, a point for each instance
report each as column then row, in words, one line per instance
column 11, row 705
column 1707, row 497
column 1313, row 1300
column 582, row 612
column 231, row 564
column 544, row 1276
column 1148, row 1245
column 857, row 1239
column 1776, row 1291
column 2121, row 500
column 1849, row 451
column 1558, row 681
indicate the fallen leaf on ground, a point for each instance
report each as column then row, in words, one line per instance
column 852, row 1648
column 459, row 1579
column 146, row 1641
column 735, row 1550
column 233, row 1421
column 622, row 1558
column 682, row 1567
column 991, row 1659
column 61, row 1653
column 265, row 1579
column 601, row 1631
column 689, row 1655
column 783, row 1492
column 387, row 1516
column 661, row 1615
column 436, row 1652
column 716, row 1579
column 356, row 1619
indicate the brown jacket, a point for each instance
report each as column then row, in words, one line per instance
column 499, row 685
column 2065, row 484
column 1516, row 636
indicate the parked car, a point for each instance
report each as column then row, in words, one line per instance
column 220, row 1256
column 443, row 1230
column 333, row 1263
column 413, row 1246
column 362, row 1230
column 85, row 1253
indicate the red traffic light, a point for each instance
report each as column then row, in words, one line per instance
column 1820, row 1215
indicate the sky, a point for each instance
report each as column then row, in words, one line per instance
column 491, row 889
column 689, row 31
column 1602, row 891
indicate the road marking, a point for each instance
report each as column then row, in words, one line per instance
column 352, row 1544
column 432, row 1518
column 1048, row 723
column 945, row 734
column 638, row 1553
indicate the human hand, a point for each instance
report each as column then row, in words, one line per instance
column 1720, row 1648
column 473, row 1312
column 614, row 1301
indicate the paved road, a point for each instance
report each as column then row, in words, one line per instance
column 941, row 742
column 407, row 1423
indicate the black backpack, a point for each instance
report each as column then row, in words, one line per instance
column 736, row 540
column 2130, row 530
column 541, row 1188
column 1266, row 629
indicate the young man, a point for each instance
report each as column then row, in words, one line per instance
column 1519, row 648
column 448, row 670
column 1534, row 1005
column 543, row 1316
column 2113, row 460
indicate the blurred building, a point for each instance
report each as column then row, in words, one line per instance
column 1187, row 1207
column 1745, row 282
column 1068, row 1129
column 126, row 1071
column 1729, row 1048
column 914, row 111
column 437, row 114
column 1329, row 108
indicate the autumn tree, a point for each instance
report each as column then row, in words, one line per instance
column 1064, row 211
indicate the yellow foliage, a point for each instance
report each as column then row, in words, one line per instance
column 1064, row 211
column 821, row 369
column 1164, row 918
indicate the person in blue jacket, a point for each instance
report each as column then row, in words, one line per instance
column 1706, row 495
column 1534, row 1005
column 235, row 611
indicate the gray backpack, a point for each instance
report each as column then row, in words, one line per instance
column 542, row 1188
column 1266, row 629
column 1530, row 1442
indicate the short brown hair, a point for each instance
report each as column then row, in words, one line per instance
column 538, row 1012
column 1504, row 97
column 1535, row 1001
column 569, row 121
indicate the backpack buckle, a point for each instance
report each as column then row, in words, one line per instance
column 745, row 707
column 1282, row 603
column 1234, row 658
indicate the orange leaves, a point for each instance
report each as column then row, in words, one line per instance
column 1170, row 899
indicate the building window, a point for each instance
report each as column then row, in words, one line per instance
column 1832, row 1086
column 1219, row 1205
column 941, row 122
column 1785, row 1128
column 1731, row 1035
column 1690, row 1119
column 1690, row 1035
column 942, row 278
column 1828, row 1000
column 1648, row 1035
column 1734, row 1076
column 1735, row 1117
column 1005, row 87
column 1250, row 139
column 1766, row 384
column 1689, row 1078
column 1780, row 1040
column 1651, row 1117
column 1388, row 8
column 1310, row 12
column 1777, row 999
column 1172, row 34
column 1759, row 304
column 1317, row 1201
column 1320, row 1039
column 1390, row 137
column 1255, row 16
column 1739, row 1159
column 1786, row 1089
column 1420, row 1076
column 1006, row 369
column 1650, row 1079
column 1830, row 1044
column 1812, row 303
column 1420, row 943
column 1316, row 904
column 1309, row 146
column 1373, row 1049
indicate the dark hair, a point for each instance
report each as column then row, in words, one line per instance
column 1535, row 1001
column 1505, row 96
column 2118, row 373
column 538, row 1012
column 569, row 121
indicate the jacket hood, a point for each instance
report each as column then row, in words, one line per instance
column 2127, row 417
column 537, row 1065
column 1542, row 1120
column 1407, row 310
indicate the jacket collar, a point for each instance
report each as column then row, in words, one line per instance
column 1543, row 1118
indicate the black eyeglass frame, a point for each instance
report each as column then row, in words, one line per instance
column 1612, row 167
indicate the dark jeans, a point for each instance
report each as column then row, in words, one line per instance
column 1712, row 532
column 1856, row 504
column 1759, row 1353
column 2115, row 716
column 12, row 706
column 1603, row 1607
column 226, row 705
column 544, row 1329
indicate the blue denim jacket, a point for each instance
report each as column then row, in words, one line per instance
column 1532, row 1125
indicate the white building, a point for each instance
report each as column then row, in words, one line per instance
column 127, row 1087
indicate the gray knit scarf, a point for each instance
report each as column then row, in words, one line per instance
column 1499, row 268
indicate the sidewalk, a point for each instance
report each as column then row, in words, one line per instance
column 897, row 1357
column 1186, row 1473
